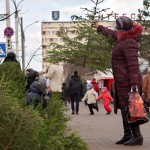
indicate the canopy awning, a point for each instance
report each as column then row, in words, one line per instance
column 104, row 75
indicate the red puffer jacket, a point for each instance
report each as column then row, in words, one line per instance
column 106, row 97
column 95, row 85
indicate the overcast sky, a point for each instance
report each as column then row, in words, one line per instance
column 41, row 10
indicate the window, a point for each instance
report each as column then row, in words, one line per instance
column 61, row 40
column 51, row 27
column 47, row 46
column 47, row 32
column 43, row 32
column 55, row 39
column 44, row 59
column 47, row 40
column 43, row 46
column 54, row 32
column 58, row 32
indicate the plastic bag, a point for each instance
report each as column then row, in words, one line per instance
column 137, row 111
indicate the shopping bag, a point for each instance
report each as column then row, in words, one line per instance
column 137, row 111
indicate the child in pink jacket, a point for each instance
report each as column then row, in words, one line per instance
column 107, row 98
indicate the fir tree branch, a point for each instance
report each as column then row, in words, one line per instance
column 14, row 134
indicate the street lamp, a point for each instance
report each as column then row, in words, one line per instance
column 23, row 41
column 30, row 25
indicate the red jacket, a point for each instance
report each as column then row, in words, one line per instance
column 95, row 86
column 106, row 97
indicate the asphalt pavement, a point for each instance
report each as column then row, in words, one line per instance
column 101, row 131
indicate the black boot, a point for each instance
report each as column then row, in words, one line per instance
column 137, row 138
column 127, row 129
column 127, row 136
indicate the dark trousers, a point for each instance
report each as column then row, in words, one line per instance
column 75, row 97
column 91, row 107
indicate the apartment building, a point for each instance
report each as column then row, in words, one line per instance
column 49, row 35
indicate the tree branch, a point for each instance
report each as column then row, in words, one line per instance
column 33, row 56
column 7, row 147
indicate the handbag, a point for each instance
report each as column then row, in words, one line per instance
column 138, row 111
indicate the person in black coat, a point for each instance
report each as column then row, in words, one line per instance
column 31, row 75
column 10, row 71
column 75, row 89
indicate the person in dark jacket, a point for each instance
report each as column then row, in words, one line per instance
column 10, row 71
column 35, row 95
column 65, row 94
column 126, row 71
column 39, row 92
column 31, row 75
column 11, row 57
column 75, row 89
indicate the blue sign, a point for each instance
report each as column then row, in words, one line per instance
column 2, row 50
column 55, row 15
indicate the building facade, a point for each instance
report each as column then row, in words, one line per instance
column 49, row 35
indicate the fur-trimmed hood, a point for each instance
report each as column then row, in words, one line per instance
column 134, row 33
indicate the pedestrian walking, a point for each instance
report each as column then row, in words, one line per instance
column 95, row 85
column 107, row 98
column 146, row 87
column 91, row 96
column 126, row 71
column 65, row 94
column 55, row 74
column 75, row 89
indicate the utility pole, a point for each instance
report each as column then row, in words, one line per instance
column 16, row 35
column 23, row 40
column 8, row 40
column 22, row 44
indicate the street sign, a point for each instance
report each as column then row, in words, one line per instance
column 2, row 50
column 55, row 15
column 8, row 32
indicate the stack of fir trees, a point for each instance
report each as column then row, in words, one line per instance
column 22, row 128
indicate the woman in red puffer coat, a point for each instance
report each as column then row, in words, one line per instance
column 126, row 71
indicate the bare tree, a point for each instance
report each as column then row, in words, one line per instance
column 34, row 55
column 16, row 11
column 96, row 11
